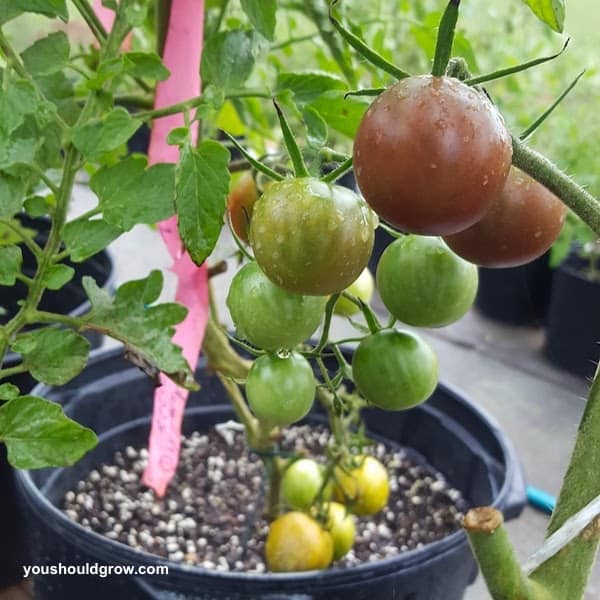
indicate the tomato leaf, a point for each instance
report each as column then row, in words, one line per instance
column 12, row 191
column 11, row 259
column 145, row 64
column 130, row 194
column 145, row 329
column 48, row 8
column 8, row 391
column 228, row 58
column 16, row 101
column 316, row 127
column 551, row 12
column 201, row 188
column 262, row 16
column 103, row 135
column 308, row 86
column 341, row 114
column 86, row 238
column 38, row 434
column 53, row 355
column 48, row 55
column 57, row 276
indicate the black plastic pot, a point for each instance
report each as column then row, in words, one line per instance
column 518, row 295
column 69, row 300
column 115, row 399
column 573, row 327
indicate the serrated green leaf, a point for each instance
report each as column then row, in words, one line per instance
column 342, row 114
column 145, row 64
column 8, row 391
column 48, row 55
column 106, row 134
column 38, row 434
column 48, row 8
column 308, row 86
column 36, row 206
column 53, row 355
column 551, row 12
column 18, row 100
column 85, row 238
column 228, row 58
column 262, row 16
column 58, row 275
column 18, row 150
column 145, row 330
column 12, row 191
column 130, row 194
column 316, row 128
column 11, row 259
column 201, row 188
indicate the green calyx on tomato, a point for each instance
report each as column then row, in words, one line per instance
column 394, row 370
column 362, row 288
column 366, row 488
column 423, row 283
column 297, row 542
column 431, row 154
column 268, row 316
column 311, row 237
column 280, row 389
column 301, row 483
column 520, row 226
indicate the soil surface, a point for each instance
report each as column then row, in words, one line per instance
column 211, row 515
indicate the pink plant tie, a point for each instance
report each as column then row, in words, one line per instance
column 182, row 53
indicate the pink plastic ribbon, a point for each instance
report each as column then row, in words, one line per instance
column 183, row 47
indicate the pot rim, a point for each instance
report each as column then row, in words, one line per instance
column 113, row 551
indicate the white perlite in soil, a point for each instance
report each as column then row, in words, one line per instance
column 211, row 515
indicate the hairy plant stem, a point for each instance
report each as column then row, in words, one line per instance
column 31, row 245
column 573, row 195
column 91, row 18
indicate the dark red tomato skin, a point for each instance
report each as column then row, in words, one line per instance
column 431, row 154
column 520, row 226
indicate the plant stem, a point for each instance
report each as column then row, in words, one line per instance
column 573, row 195
column 27, row 241
column 567, row 572
column 16, row 370
column 242, row 411
column 220, row 355
column 91, row 18
column 503, row 575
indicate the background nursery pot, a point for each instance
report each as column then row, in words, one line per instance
column 517, row 295
column 70, row 300
column 115, row 399
column 573, row 327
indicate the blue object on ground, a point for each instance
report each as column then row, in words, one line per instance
column 540, row 499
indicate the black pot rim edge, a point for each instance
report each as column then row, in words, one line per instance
column 407, row 559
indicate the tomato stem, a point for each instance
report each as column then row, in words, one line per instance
column 364, row 50
column 293, row 149
column 445, row 39
column 257, row 164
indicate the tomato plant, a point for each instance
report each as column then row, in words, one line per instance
column 301, row 482
column 296, row 542
column 431, row 154
column 520, row 226
column 311, row 237
column 395, row 370
column 240, row 205
column 362, row 289
column 423, row 283
column 268, row 316
column 280, row 389
column 365, row 488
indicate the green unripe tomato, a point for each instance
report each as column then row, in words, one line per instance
column 395, row 370
column 311, row 237
column 268, row 316
column 362, row 288
column 301, row 483
column 423, row 283
column 280, row 390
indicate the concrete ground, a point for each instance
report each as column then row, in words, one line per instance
column 500, row 368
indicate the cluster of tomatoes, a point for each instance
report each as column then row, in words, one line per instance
column 432, row 157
